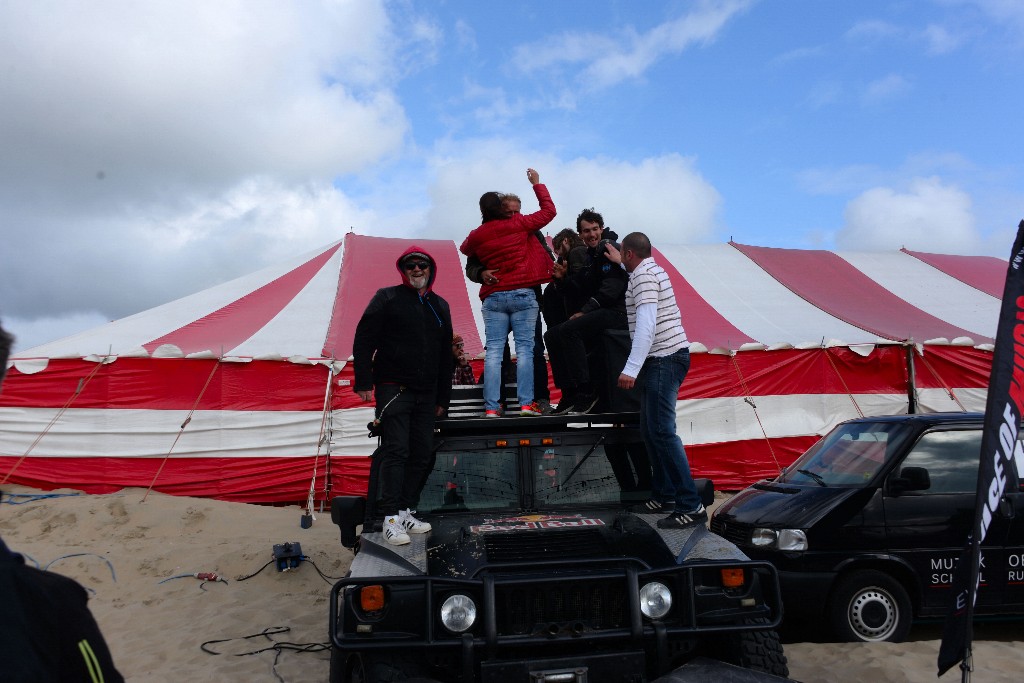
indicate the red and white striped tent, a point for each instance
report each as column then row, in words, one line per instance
column 243, row 391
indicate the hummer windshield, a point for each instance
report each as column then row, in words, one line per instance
column 536, row 477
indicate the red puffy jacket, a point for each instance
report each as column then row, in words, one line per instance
column 510, row 246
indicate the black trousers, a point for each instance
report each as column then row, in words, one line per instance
column 567, row 351
column 406, row 450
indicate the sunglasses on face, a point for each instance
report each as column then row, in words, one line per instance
column 413, row 265
column 459, row 345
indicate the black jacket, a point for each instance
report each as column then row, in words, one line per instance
column 598, row 283
column 405, row 338
column 46, row 630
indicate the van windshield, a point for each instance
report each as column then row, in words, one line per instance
column 850, row 456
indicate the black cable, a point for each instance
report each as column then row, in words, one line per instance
column 243, row 578
column 277, row 647
column 323, row 576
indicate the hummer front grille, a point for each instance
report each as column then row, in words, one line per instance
column 526, row 546
column 561, row 606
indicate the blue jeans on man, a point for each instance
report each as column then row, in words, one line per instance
column 659, row 381
column 514, row 310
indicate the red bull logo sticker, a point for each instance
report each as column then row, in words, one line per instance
column 525, row 522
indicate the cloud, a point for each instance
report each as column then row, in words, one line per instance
column 152, row 149
column 940, row 40
column 872, row 31
column 665, row 197
column 928, row 216
column 886, row 88
column 608, row 60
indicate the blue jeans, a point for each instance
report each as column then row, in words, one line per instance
column 516, row 310
column 659, row 382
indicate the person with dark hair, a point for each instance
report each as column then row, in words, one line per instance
column 47, row 632
column 507, row 243
column 598, row 288
column 403, row 359
column 556, row 309
column 659, row 359
column 475, row 271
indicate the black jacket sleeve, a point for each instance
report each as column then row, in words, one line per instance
column 367, row 340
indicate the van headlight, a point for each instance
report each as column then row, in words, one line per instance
column 458, row 613
column 791, row 540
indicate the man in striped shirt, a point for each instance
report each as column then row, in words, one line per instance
column 657, row 365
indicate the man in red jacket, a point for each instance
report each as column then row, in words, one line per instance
column 507, row 244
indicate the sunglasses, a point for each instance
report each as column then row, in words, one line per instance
column 459, row 345
column 413, row 265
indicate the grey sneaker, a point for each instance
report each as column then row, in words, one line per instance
column 684, row 520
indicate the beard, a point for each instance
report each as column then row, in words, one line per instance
column 418, row 281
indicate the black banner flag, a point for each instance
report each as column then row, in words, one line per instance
column 1002, row 458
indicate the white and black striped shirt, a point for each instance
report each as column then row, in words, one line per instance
column 650, row 284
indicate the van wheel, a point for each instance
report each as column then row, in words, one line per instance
column 870, row 606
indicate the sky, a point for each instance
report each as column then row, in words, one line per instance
column 149, row 150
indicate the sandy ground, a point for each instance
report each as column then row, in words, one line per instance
column 127, row 553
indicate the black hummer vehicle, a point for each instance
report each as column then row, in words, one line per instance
column 867, row 526
column 535, row 570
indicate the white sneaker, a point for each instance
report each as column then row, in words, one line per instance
column 411, row 524
column 394, row 532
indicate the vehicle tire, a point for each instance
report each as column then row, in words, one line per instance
column 361, row 668
column 754, row 650
column 870, row 606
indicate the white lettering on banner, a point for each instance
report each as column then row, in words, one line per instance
column 1015, row 576
column 1015, row 560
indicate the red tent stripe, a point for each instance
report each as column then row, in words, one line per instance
column 368, row 264
column 702, row 322
column 829, row 282
column 984, row 273
column 229, row 326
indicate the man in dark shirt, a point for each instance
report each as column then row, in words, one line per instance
column 402, row 357
column 599, row 288
column 47, row 632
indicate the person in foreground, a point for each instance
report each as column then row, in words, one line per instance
column 659, row 359
column 47, row 632
column 506, row 242
column 402, row 357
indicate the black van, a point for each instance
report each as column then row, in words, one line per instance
column 867, row 526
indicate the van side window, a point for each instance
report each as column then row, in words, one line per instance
column 951, row 458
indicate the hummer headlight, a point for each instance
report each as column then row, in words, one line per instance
column 655, row 600
column 458, row 613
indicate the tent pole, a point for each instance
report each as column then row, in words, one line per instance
column 911, row 379
column 324, row 436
